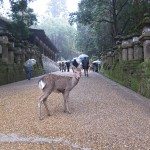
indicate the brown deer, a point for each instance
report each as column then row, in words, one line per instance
column 57, row 83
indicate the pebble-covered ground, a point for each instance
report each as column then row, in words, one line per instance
column 105, row 116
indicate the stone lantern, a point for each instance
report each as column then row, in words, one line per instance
column 124, row 47
column 11, row 56
column 11, row 49
column 145, row 37
column 109, row 58
column 4, row 43
column 138, row 50
column 18, row 54
column 130, row 49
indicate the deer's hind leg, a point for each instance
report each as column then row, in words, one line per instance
column 43, row 100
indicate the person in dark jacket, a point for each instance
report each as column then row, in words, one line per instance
column 85, row 65
column 75, row 63
column 60, row 65
column 63, row 65
column 68, row 65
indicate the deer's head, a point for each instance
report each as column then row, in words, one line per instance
column 77, row 73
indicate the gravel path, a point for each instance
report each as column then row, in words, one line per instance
column 105, row 116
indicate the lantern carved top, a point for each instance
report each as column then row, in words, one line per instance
column 126, row 44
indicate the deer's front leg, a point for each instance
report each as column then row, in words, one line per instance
column 46, row 107
column 66, row 98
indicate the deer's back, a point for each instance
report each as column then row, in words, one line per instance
column 57, row 83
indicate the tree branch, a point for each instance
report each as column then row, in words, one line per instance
column 125, row 25
column 105, row 20
column 122, row 7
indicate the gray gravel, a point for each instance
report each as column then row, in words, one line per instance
column 105, row 116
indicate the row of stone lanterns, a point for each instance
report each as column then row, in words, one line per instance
column 17, row 53
column 6, row 48
column 135, row 47
column 131, row 49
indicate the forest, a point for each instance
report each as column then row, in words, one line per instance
column 100, row 22
column 92, row 29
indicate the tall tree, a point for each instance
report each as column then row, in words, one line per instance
column 61, row 34
column 110, row 18
column 58, row 8
column 58, row 29
column 23, row 17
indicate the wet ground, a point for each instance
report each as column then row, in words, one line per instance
column 104, row 116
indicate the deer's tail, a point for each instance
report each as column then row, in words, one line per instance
column 41, row 84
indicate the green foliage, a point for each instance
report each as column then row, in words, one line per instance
column 145, row 78
column 93, row 58
column 10, row 73
column 145, row 68
column 108, row 19
column 61, row 34
column 23, row 17
column 14, row 73
column 132, row 74
column 85, row 39
column 19, row 30
column 17, row 6
column 115, row 74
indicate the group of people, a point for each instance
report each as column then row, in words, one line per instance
column 84, row 63
column 65, row 65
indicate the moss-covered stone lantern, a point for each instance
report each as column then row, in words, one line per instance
column 145, row 37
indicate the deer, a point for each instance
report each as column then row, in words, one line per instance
column 57, row 83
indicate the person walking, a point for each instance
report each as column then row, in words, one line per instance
column 68, row 65
column 63, row 66
column 60, row 65
column 95, row 67
column 28, row 67
column 75, row 64
column 28, row 71
column 85, row 65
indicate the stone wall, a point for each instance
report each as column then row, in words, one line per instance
column 12, row 57
column 49, row 65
